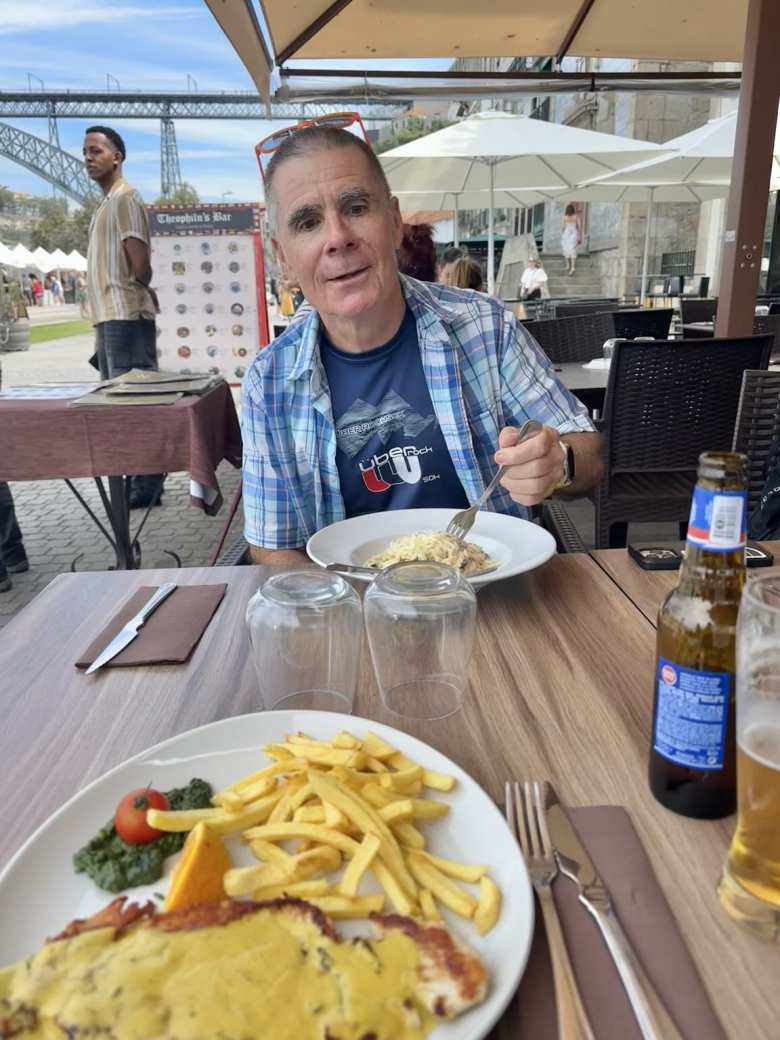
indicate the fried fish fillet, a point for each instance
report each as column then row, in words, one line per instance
column 239, row 970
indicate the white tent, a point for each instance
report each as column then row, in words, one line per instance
column 59, row 260
column 25, row 258
column 75, row 261
column 499, row 150
column 7, row 257
column 42, row 259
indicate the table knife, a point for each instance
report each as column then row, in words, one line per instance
column 131, row 629
column 575, row 863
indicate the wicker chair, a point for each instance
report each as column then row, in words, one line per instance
column 573, row 339
column 654, row 322
column 578, row 307
column 757, row 426
column 666, row 402
column 693, row 310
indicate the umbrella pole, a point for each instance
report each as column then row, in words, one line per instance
column 646, row 253
column 456, row 221
column 490, row 265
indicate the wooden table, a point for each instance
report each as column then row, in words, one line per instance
column 561, row 688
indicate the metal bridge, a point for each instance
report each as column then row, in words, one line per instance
column 66, row 174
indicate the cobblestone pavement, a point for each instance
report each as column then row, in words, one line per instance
column 55, row 527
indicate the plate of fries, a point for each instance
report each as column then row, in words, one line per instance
column 348, row 814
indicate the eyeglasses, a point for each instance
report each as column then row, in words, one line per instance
column 337, row 120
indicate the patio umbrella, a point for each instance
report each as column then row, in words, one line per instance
column 499, row 150
column 698, row 168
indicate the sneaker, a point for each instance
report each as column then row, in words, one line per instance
column 140, row 501
column 17, row 567
column 5, row 581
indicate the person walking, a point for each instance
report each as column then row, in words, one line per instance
column 119, row 274
column 37, row 291
column 56, row 290
column 571, row 236
column 81, row 296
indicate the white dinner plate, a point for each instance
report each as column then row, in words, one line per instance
column 516, row 545
column 40, row 892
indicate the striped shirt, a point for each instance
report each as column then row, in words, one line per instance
column 483, row 369
column 114, row 294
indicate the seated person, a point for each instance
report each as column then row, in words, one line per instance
column 448, row 257
column 389, row 393
column 465, row 273
column 417, row 254
column 533, row 281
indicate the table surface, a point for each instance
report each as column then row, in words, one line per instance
column 575, row 377
column 561, row 689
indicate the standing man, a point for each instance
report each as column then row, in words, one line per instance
column 119, row 274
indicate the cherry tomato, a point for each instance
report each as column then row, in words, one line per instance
column 130, row 815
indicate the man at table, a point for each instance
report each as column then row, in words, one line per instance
column 118, row 279
column 388, row 393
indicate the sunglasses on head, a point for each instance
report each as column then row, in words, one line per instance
column 336, row 120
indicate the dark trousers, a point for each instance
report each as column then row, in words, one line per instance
column 120, row 346
column 11, row 548
column 534, row 294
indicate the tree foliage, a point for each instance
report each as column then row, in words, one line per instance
column 59, row 229
column 185, row 195
column 415, row 127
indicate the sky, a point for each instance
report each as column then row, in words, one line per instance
column 145, row 45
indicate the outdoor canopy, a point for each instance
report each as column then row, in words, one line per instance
column 499, row 150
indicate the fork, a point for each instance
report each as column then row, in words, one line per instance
column 525, row 816
column 462, row 522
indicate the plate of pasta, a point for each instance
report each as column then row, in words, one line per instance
column 498, row 546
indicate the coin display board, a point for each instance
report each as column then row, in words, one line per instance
column 209, row 276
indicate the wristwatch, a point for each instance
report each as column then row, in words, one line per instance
column 568, row 467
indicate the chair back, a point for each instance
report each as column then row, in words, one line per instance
column 573, row 339
column 768, row 323
column 668, row 401
column 693, row 310
column 654, row 322
column 576, row 307
column 757, row 426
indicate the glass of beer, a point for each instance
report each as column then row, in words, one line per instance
column 749, row 889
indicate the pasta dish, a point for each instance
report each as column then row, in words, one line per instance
column 434, row 546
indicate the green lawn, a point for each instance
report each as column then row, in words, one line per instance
column 43, row 333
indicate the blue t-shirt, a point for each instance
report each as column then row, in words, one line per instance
column 391, row 453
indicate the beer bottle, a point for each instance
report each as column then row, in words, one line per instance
column 692, row 752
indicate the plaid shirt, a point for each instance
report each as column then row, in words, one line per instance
column 483, row 369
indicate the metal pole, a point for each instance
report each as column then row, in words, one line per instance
column 490, row 265
column 750, row 176
column 646, row 253
column 455, row 239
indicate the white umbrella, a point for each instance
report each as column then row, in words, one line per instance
column 499, row 150
column 76, row 262
column 697, row 169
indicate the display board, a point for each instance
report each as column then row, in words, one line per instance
column 210, row 280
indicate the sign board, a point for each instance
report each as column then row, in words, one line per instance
column 210, row 280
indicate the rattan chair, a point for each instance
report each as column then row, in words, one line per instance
column 666, row 402
column 578, row 307
column 757, row 426
column 654, row 322
column 693, row 310
column 573, row 339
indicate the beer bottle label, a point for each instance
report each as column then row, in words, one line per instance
column 718, row 519
column 691, row 713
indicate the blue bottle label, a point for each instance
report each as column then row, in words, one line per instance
column 691, row 714
column 718, row 519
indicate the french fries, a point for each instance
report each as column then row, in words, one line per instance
column 352, row 803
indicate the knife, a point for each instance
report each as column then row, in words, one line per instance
column 130, row 631
column 575, row 863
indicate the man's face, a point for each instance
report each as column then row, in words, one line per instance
column 100, row 156
column 337, row 232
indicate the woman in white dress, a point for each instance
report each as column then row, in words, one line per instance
column 571, row 236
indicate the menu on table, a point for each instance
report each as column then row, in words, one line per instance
column 210, row 280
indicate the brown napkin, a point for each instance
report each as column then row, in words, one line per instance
column 610, row 838
column 169, row 635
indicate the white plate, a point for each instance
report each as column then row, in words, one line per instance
column 516, row 545
column 40, row 892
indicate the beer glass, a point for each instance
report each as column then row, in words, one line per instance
column 750, row 885
column 420, row 621
column 306, row 631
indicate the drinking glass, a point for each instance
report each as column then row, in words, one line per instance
column 749, row 888
column 420, row 620
column 306, row 631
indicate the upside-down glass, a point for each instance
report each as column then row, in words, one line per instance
column 420, row 621
column 306, row 631
column 749, row 888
